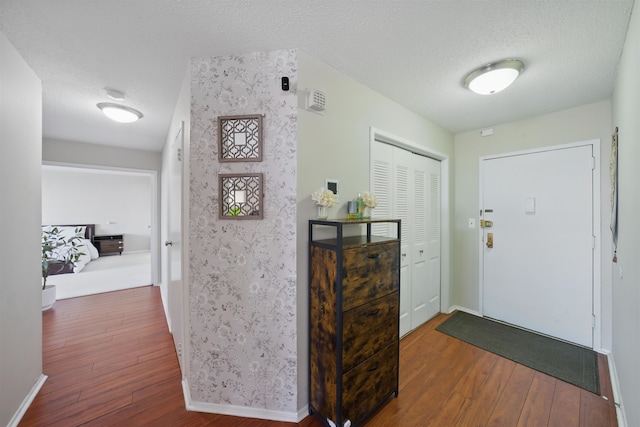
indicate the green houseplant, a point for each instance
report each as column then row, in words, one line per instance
column 53, row 255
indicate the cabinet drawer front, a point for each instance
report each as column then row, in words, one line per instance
column 368, row 383
column 368, row 329
column 111, row 245
column 368, row 273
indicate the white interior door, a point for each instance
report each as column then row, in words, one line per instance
column 174, row 243
column 401, row 209
column 408, row 188
column 382, row 185
column 419, row 257
column 433, row 224
column 425, row 239
column 538, row 274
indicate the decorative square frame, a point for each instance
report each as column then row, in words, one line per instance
column 241, row 196
column 240, row 138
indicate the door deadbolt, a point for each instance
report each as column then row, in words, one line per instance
column 490, row 240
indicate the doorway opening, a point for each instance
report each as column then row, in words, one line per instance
column 121, row 203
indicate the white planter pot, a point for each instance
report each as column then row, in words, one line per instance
column 48, row 297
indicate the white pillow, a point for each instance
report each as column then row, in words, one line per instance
column 79, row 267
column 83, row 260
column 88, row 247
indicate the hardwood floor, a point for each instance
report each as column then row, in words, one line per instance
column 111, row 361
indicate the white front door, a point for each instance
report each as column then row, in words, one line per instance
column 538, row 251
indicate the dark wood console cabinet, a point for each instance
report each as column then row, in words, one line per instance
column 354, row 320
column 109, row 244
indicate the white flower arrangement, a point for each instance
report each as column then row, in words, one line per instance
column 324, row 197
column 370, row 200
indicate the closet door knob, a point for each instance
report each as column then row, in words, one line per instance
column 168, row 243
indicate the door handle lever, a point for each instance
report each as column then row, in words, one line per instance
column 490, row 240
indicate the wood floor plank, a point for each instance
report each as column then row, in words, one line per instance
column 509, row 406
column 447, row 414
column 477, row 414
column 594, row 410
column 603, row 372
column 473, row 382
column 565, row 410
column 537, row 405
column 111, row 362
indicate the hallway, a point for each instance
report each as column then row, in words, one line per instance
column 111, row 361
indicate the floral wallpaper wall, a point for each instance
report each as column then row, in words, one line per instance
column 242, row 298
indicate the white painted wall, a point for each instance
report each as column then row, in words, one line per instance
column 20, row 277
column 116, row 202
column 578, row 124
column 79, row 153
column 336, row 145
column 626, row 289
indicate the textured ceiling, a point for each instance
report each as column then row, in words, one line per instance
column 413, row 51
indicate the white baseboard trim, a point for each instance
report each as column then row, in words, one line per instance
column 237, row 411
column 466, row 310
column 303, row 413
column 617, row 397
column 17, row 417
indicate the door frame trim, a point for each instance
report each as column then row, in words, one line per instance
column 595, row 228
column 445, row 233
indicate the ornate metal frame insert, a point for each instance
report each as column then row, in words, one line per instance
column 240, row 138
column 240, row 196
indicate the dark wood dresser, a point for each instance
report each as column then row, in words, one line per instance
column 354, row 320
column 109, row 244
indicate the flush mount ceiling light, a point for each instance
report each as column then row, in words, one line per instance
column 119, row 113
column 494, row 77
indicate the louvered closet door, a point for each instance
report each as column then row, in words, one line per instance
column 408, row 187
column 433, row 226
column 381, row 183
column 419, row 258
column 401, row 190
column 425, row 239
column 383, row 178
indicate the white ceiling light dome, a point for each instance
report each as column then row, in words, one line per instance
column 494, row 77
column 119, row 113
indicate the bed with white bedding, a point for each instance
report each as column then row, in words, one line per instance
column 93, row 274
column 86, row 233
column 105, row 274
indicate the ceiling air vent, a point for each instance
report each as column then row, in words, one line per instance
column 316, row 101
